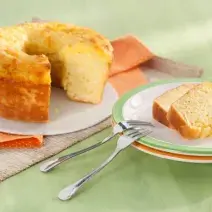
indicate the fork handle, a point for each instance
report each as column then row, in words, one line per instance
column 69, row 191
column 49, row 165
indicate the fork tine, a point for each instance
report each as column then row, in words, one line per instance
column 138, row 128
column 137, row 122
column 142, row 134
column 134, row 120
column 142, row 122
column 137, row 133
column 133, row 131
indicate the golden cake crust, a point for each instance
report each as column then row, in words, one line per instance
column 159, row 110
column 179, row 124
column 40, row 39
column 159, row 114
column 191, row 114
column 24, row 101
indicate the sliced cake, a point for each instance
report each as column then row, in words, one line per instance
column 191, row 114
column 162, row 103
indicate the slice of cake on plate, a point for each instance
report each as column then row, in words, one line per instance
column 162, row 103
column 191, row 114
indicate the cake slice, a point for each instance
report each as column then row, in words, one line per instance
column 191, row 114
column 162, row 103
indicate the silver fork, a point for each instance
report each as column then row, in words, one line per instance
column 123, row 142
column 118, row 128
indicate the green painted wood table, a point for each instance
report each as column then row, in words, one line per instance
column 135, row 181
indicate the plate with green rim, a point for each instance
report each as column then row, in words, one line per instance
column 137, row 105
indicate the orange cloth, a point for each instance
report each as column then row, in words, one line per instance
column 125, row 74
column 20, row 141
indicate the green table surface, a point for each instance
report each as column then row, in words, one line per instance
column 135, row 181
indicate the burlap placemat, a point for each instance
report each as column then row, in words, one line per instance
column 14, row 161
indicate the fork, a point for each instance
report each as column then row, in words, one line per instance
column 123, row 142
column 118, row 128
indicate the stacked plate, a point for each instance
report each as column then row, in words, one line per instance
column 162, row 142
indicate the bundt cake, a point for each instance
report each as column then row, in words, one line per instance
column 34, row 56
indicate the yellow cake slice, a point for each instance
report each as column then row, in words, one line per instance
column 191, row 114
column 163, row 102
column 34, row 56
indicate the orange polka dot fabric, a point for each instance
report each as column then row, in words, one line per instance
column 20, row 141
column 125, row 75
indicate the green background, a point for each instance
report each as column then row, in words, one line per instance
column 177, row 29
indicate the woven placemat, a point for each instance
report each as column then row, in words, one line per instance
column 13, row 161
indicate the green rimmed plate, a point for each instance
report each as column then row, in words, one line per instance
column 137, row 104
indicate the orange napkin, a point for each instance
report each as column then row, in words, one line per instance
column 20, row 141
column 125, row 74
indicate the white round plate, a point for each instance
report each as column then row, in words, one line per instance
column 137, row 104
column 65, row 116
